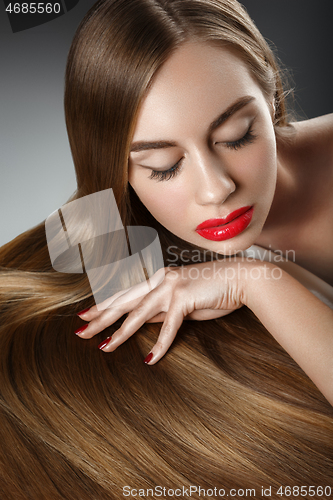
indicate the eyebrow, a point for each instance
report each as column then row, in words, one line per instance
column 232, row 109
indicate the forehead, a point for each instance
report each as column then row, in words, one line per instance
column 194, row 84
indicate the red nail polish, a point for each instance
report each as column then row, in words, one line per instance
column 104, row 343
column 84, row 311
column 81, row 329
column 148, row 358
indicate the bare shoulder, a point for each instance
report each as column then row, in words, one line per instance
column 315, row 137
column 309, row 147
column 305, row 161
column 321, row 124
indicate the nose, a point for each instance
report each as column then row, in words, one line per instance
column 213, row 183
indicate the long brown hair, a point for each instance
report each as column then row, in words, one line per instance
column 226, row 407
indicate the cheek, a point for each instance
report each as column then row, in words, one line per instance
column 258, row 167
column 167, row 201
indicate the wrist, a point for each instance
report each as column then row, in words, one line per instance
column 254, row 278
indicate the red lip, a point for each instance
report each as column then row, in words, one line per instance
column 226, row 227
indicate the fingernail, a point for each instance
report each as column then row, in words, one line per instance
column 84, row 311
column 148, row 358
column 104, row 343
column 81, row 329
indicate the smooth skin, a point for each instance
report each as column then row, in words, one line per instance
column 214, row 167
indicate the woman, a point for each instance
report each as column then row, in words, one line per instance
column 186, row 93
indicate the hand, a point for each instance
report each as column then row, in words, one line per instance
column 200, row 292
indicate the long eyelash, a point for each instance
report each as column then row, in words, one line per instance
column 248, row 138
column 165, row 175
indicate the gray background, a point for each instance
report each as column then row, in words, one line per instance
column 36, row 170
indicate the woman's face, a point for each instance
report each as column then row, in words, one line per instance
column 204, row 150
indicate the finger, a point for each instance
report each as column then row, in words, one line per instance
column 120, row 306
column 105, row 319
column 99, row 324
column 131, row 296
column 123, row 296
column 141, row 289
column 159, row 318
column 136, row 292
column 173, row 321
column 132, row 323
column 206, row 314
column 95, row 311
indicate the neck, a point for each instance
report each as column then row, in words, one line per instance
column 283, row 205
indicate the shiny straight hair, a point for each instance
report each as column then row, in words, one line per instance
column 226, row 407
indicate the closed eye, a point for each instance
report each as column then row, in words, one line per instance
column 165, row 175
column 248, row 138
